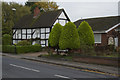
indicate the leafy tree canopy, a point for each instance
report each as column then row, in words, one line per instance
column 11, row 13
column 69, row 38
column 55, row 35
column 43, row 6
column 85, row 34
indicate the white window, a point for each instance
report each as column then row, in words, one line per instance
column 28, row 30
column 42, row 41
column 47, row 36
column 28, row 36
column 47, row 30
column 23, row 30
column 42, row 30
column 46, row 42
column 42, row 36
column 97, row 38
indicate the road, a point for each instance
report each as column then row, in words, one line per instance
column 19, row 68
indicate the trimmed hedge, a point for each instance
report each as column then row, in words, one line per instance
column 55, row 35
column 21, row 49
column 69, row 38
column 8, row 49
column 85, row 34
column 7, row 39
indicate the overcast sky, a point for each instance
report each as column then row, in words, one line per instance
column 77, row 9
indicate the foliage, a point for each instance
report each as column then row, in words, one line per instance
column 23, row 43
column 37, row 44
column 30, row 48
column 55, row 35
column 8, row 49
column 11, row 13
column 88, row 50
column 85, row 34
column 21, row 49
column 7, row 39
column 69, row 38
column 43, row 6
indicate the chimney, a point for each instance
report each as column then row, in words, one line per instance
column 36, row 12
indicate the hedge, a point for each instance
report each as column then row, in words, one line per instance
column 7, row 39
column 69, row 38
column 21, row 49
column 8, row 49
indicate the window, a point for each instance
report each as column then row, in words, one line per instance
column 42, row 36
column 23, row 30
column 28, row 36
column 47, row 30
column 23, row 36
column 42, row 42
column 62, row 15
column 28, row 30
column 47, row 36
column 46, row 42
column 97, row 38
column 42, row 30
column 14, row 36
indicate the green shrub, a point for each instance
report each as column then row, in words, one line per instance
column 54, row 35
column 85, row 34
column 21, row 49
column 69, row 38
column 37, row 44
column 23, row 43
column 8, row 48
column 30, row 48
column 7, row 39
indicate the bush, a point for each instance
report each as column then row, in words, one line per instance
column 54, row 35
column 8, row 48
column 23, row 43
column 21, row 49
column 69, row 38
column 85, row 34
column 30, row 48
column 7, row 39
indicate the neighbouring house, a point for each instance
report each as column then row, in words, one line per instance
column 37, row 26
column 106, row 30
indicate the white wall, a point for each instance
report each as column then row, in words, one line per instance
column 39, row 33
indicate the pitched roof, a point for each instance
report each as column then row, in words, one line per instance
column 101, row 23
column 46, row 19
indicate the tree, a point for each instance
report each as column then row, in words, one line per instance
column 7, row 39
column 69, row 38
column 55, row 35
column 85, row 34
column 43, row 6
column 10, row 16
